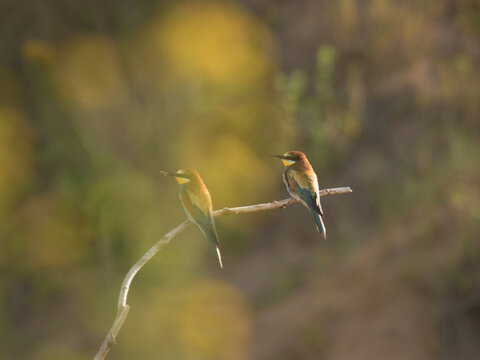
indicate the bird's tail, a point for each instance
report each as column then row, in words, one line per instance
column 319, row 223
column 212, row 237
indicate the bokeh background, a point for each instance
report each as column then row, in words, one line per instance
column 98, row 96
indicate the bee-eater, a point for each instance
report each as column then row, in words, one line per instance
column 197, row 204
column 302, row 184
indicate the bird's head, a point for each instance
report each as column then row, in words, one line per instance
column 182, row 176
column 290, row 157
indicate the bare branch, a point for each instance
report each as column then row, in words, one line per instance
column 123, row 308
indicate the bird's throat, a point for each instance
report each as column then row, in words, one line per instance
column 181, row 180
column 287, row 162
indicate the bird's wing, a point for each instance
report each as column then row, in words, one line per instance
column 199, row 210
column 306, row 186
column 199, row 206
column 201, row 201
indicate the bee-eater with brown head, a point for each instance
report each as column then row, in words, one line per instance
column 197, row 204
column 302, row 184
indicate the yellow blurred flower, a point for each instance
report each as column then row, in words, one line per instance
column 212, row 42
column 89, row 73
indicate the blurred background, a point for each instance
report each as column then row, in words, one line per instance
column 98, row 96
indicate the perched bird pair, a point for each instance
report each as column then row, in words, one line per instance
column 299, row 177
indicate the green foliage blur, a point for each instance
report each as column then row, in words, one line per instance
column 97, row 97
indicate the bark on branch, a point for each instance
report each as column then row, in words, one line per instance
column 123, row 308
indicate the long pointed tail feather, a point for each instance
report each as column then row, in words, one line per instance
column 319, row 223
column 219, row 256
column 211, row 235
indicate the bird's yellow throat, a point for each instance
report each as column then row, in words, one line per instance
column 182, row 180
column 288, row 162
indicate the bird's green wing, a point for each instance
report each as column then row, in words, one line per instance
column 306, row 188
column 308, row 194
column 199, row 210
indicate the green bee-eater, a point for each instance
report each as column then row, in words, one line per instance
column 197, row 203
column 302, row 184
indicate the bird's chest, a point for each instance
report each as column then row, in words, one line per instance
column 289, row 181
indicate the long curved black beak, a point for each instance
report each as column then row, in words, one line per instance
column 280, row 156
